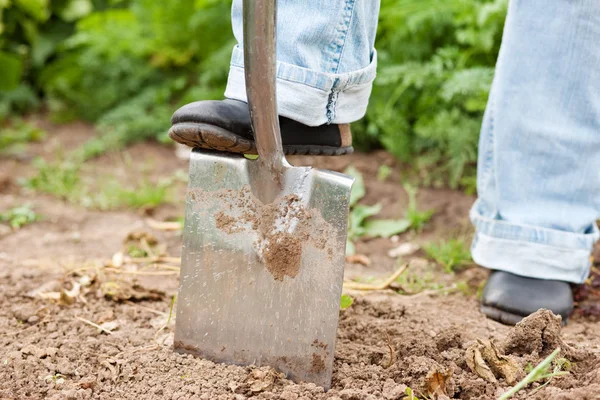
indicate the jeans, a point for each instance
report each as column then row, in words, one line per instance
column 326, row 59
column 539, row 153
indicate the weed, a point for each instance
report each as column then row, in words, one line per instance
column 383, row 173
column 62, row 179
column 18, row 134
column 59, row 178
column 18, row 217
column 417, row 219
column 451, row 254
column 360, row 222
column 547, row 369
column 416, row 282
column 145, row 196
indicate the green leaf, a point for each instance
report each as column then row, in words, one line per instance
column 358, row 215
column 346, row 301
column 358, row 188
column 37, row 9
column 385, row 227
column 11, row 67
column 76, row 9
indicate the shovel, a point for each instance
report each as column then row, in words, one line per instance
column 264, row 242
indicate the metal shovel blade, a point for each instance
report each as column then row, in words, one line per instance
column 264, row 242
column 261, row 283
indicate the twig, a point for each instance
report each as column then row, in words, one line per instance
column 148, row 273
column 384, row 285
column 164, row 225
column 87, row 321
column 156, row 259
column 146, row 247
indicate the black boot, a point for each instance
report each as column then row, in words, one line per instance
column 225, row 126
column 509, row 298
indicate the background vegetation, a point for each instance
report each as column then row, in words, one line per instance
column 127, row 64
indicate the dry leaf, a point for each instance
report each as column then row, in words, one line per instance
column 139, row 236
column 261, row 380
column 484, row 358
column 477, row 364
column 436, row 383
column 121, row 291
column 359, row 259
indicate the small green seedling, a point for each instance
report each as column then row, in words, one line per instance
column 542, row 371
column 451, row 254
column 346, row 301
column 19, row 216
column 58, row 379
column 417, row 219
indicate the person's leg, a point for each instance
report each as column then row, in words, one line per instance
column 325, row 69
column 539, row 156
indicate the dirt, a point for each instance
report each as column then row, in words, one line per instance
column 386, row 342
column 282, row 228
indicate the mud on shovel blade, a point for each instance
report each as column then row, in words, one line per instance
column 263, row 243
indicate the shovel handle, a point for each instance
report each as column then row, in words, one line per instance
column 260, row 65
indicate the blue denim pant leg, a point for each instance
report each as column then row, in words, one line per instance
column 539, row 155
column 326, row 59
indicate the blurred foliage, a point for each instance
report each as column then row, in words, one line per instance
column 127, row 64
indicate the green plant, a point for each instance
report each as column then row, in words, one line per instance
column 59, row 178
column 346, row 301
column 416, row 282
column 62, row 179
column 18, row 217
column 359, row 222
column 416, row 219
column 17, row 134
column 436, row 60
column 383, row 172
column 451, row 254
column 547, row 369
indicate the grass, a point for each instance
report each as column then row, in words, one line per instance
column 18, row 217
column 59, row 178
column 451, row 254
column 416, row 282
column 62, row 179
column 19, row 133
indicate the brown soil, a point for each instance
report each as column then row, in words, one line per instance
column 282, row 228
column 386, row 342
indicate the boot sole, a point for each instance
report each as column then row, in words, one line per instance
column 212, row 137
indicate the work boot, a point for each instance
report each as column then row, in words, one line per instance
column 509, row 298
column 225, row 126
